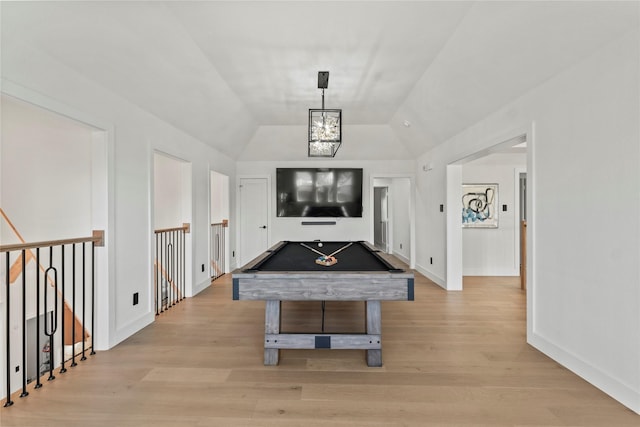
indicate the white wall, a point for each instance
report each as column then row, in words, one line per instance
column 133, row 136
column 584, row 222
column 219, row 197
column 45, row 174
column 168, row 192
column 493, row 251
column 345, row 228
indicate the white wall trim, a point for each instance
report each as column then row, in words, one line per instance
column 516, row 206
column 134, row 326
column 454, row 228
column 199, row 287
column 531, row 241
column 412, row 212
column 453, row 192
column 440, row 281
column 239, row 179
column 187, row 217
column 618, row 390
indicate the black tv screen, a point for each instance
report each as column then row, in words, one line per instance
column 319, row 192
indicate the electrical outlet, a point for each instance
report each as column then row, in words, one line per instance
column 203, row 268
column 135, row 298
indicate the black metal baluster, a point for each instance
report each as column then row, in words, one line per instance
column 223, row 257
column 73, row 308
column 93, row 297
column 9, row 402
column 24, row 325
column 84, row 299
column 63, row 369
column 157, row 274
column 168, row 267
column 163, row 238
column 218, row 251
column 176, row 292
column 170, row 270
column 50, row 330
column 183, row 258
column 178, row 267
column 38, row 349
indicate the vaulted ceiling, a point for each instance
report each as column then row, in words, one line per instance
column 221, row 70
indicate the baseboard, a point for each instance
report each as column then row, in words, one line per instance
column 490, row 272
column 431, row 276
column 621, row 392
column 201, row 286
column 132, row 327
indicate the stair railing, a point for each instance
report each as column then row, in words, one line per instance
column 169, row 267
column 48, row 306
column 218, row 249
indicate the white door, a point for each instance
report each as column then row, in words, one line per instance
column 254, row 210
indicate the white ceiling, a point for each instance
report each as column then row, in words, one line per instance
column 220, row 70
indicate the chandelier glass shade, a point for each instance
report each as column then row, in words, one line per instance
column 325, row 132
column 325, row 125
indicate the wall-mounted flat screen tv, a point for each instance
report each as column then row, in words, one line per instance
column 319, row 192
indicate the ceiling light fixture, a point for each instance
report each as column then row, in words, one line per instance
column 325, row 125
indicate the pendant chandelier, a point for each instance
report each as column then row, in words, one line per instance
column 325, row 125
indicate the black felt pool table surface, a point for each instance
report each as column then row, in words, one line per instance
column 293, row 256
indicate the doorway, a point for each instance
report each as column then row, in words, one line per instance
column 381, row 218
column 85, row 141
column 517, row 142
column 392, row 202
column 219, row 220
column 254, row 217
column 171, row 234
column 522, row 188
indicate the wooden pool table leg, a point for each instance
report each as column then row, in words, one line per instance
column 271, row 326
column 374, row 326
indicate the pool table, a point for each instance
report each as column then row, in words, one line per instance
column 288, row 271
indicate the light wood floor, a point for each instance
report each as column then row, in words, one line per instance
column 456, row 358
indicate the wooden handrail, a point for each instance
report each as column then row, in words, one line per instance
column 186, row 227
column 20, row 246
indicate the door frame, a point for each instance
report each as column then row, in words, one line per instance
column 412, row 211
column 227, row 196
column 388, row 214
column 239, row 180
column 453, row 186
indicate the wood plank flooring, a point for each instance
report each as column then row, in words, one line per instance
column 450, row 359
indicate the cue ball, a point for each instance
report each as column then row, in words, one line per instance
column 320, row 244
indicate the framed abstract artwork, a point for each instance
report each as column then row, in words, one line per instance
column 480, row 205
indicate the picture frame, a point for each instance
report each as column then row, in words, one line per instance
column 480, row 206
